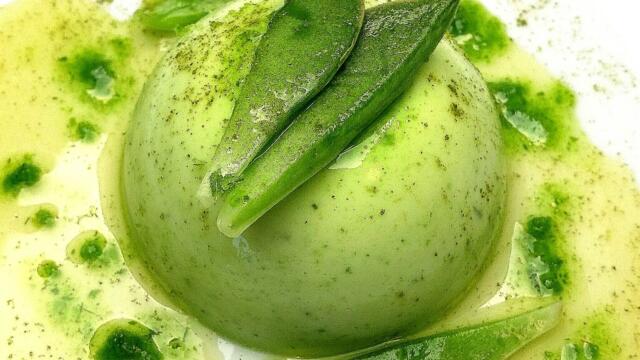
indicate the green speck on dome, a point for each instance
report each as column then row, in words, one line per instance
column 47, row 269
column 22, row 175
column 124, row 339
column 479, row 33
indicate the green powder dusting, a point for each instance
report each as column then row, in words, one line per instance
column 238, row 38
column 480, row 34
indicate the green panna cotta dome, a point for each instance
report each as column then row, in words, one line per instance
column 379, row 244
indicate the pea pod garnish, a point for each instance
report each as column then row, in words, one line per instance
column 306, row 43
column 397, row 38
column 495, row 340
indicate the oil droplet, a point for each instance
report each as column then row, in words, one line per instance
column 45, row 217
column 47, row 269
column 123, row 339
column 83, row 131
column 94, row 71
column 86, row 247
column 176, row 343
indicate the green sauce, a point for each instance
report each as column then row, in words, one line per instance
column 595, row 339
column 92, row 248
column 45, row 218
column 535, row 117
column 82, row 67
column 83, row 131
column 584, row 222
column 87, row 247
column 97, row 75
column 24, row 174
column 124, row 339
column 554, row 276
column 47, row 269
column 481, row 35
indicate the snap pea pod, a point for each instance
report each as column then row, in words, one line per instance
column 173, row 15
column 493, row 341
column 397, row 38
column 306, row 43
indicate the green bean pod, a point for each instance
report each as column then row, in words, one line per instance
column 306, row 43
column 496, row 340
column 397, row 38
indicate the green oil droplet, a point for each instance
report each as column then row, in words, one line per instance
column 83, row 65
column 45, row 217
column 87, row 247
column 543, row 248
column 539, row 117
column 591, row 351
column 22, row 175
column 47, row 269
column 176, row 343
column 124, row 339
column 94, row 72
column 83, row 131
column 481, row 35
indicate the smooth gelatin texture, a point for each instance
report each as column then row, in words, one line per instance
column 377, row 245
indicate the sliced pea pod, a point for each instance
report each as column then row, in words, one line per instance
column 306, row 43
column 492, row 341
column 173, row 15
column 397, row 38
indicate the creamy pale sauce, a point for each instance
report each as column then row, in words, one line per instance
column 58, row 289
